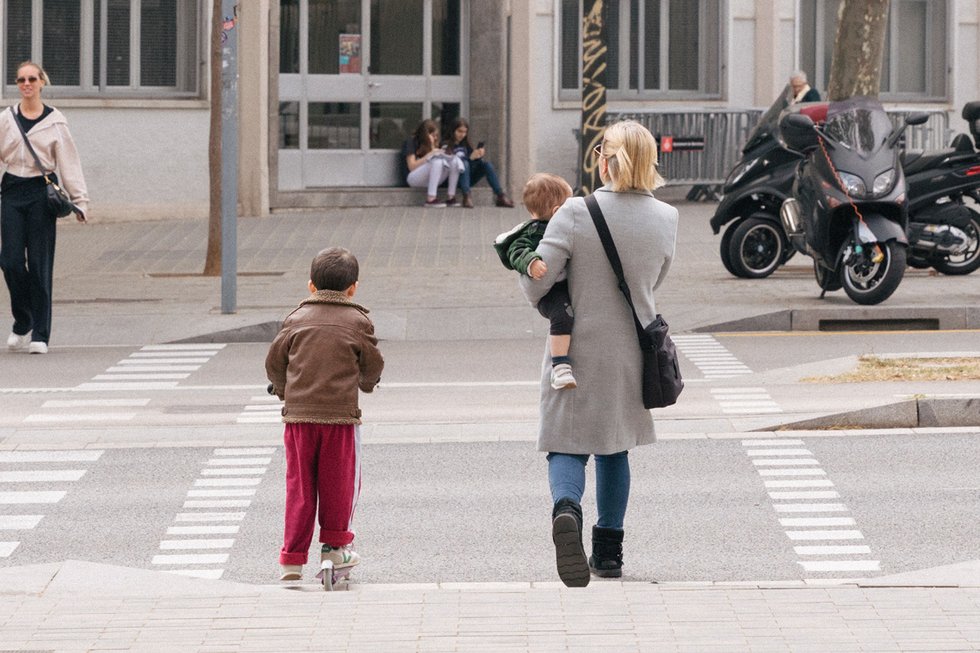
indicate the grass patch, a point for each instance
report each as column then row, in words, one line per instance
column 874, row 368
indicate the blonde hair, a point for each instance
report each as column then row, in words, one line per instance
column 631, row 151
column 43, row 76
column 543, row 193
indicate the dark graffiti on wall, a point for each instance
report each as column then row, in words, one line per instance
column 593, row 92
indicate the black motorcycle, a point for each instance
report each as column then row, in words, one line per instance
column 755, row 245
column 849, row 209
column 944, row 233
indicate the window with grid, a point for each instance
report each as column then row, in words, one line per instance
column 914, row 63
column 656, row 49
column 107, row 48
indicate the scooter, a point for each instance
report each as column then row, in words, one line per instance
column 849, row 209
column 944, row 233
column 755, row 245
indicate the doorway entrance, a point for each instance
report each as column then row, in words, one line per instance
column 355, row 79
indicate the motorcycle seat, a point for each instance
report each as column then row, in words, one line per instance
column 962, row 143
column 919, row 161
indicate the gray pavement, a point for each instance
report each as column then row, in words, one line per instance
column 430, row 276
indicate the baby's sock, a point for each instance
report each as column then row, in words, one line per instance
column 558, row 360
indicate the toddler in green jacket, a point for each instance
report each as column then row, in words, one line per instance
column 543, row 196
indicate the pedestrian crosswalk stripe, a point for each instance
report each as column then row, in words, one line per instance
column 138, row 362
column 41, row 476
column 825, row 535
column 7, row 548
column 50, row 456
column 184, row 545
column 779, row 452
column 210, row 516
column 832, row 549
column 841, row 565
column 232, row 471
column 128, row 370
column 67, row 418
column 817, row 521
column 210, row 574
column 820, row 494
column 792, row 472
column 202, row 530
column 113, row 387
column 97, row 403
column 49, row 496
column 772, row 443
column 226, row 482
column 810, row 507
column 213, row 348
column 19, row 522
column 240, row 461
column 818, row 482
column 189, row 558
column 784, row 461
column 259, row 451
column 220, row 493
column 218, row 503
column 139, row 377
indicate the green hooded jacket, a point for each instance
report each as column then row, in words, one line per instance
column 516, row 247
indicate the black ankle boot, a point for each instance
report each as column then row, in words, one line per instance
column 606, row 560
column 566, row 532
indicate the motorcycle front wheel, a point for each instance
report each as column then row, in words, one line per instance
column 725, row 249
column 969, row 260
column 757, row 248
column 867, row 282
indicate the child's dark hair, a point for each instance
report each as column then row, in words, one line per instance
column 544, row 192
column 334, row 268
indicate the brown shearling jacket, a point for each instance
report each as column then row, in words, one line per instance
column 325, row 351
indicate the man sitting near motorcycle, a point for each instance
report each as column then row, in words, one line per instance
column 802, row 91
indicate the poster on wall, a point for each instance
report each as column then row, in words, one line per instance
column 350, row 53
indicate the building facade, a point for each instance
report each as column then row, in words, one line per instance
column 329, row 89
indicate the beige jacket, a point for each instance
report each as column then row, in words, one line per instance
column 54, row 146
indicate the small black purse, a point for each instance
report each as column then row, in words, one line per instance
column 662, row 382
column 59, row 203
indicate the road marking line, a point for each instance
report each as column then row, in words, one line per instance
column 221, row 503
column 128, row 370
column 830, row 494
column 810, row 507
column 42, row 476
column 137, row 377
column 213, row 347
column 257, row 451
column 112, row 387
column 198, row 494
column 792, row 472
column 59, row 418
column 817, row 521
column 276, row 407
column 175, row 355
column 825, row 535
column 821, row 482
column 830, row 549
column 190, row 559
column 88, row 455
column 209, row 574
column 7, row 548
column 841, row 565
column 164, row 362
column 769, row 443
column 19, row 522
column 210, row 516
column 746, row 403
column 100, row 403
column 232, row 471
column 779, row 452
column 785, row 461
column 189, row 545
column 202, row 530
column 752, row 411
column 226, row 482
column 11, row 498
column 239, row 461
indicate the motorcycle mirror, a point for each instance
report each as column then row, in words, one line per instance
column 916, row 118
column 798, row 132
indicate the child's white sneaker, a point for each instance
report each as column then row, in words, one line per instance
column 291, row 572
column 16, row 342
column 562, row 377
column 38, row 347
column 340, row 556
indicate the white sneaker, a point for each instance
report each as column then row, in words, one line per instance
column 291, row 572
column 342, row 556
column 16, row 342
column 38, row 347
column 562, row 378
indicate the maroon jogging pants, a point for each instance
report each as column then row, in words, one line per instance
column 323, row 479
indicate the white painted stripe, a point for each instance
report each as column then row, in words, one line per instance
column 61, row 418
column 210, row 516
column 138, row 377
column 785, row 461
column 110, row 387
column 265, row 398
column 256, row 451
column 214, row 346
column 198, row 494
column 779, row 452
column 817, row 521
column 818, row 482
column 87, row 456
column 190, row 559
column 810, row 507
column 128, row 369
column 178, row 355
column 771, row 443
column 841, row 565
column 276, row 407
column 7, row 548
column 239, row 461
column 832, row 549
column 831, row 582
column 191, row 545
column 19, row 522
column 752, row 411
column 791, row 472
column 202, row 530
column 42, row 476
column 221, row 503
column 226, row 482
column 231, row 471
column 825, row 535
column 272, row 419
column 745, row 404
column 142, row 362
column 825, row 494
column 10, row 498
column 98, row 403
column 209, row 574
column 739, row 390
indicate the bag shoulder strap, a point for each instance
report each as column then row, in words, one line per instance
column 29, row 146
column 613, row 255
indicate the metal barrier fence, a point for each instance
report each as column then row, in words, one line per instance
column 707, row 144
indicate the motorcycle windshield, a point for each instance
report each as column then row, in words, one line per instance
column 859, row 124
column 768, row 123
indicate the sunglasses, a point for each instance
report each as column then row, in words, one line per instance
column 23, row 80
column 597, row 150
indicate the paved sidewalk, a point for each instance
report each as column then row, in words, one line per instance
column 79, row 606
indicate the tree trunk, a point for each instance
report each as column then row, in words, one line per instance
column 593, row 92
column 212, row 261
column 858, row 49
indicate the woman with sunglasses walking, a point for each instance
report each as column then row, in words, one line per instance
column 27, row 227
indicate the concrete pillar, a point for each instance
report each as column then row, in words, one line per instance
column 520, row 79
column 487, row 86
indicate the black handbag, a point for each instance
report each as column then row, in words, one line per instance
column 662, row 382
column 59, row 203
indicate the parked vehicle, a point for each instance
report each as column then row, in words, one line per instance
column 944, row 233
column 849, row 206
column 754, row 245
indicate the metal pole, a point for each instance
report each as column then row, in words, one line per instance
column 229, row 155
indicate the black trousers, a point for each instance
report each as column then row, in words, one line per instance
column 27, row 236
column 557, row 307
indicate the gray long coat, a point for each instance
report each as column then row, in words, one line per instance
column 605, row 414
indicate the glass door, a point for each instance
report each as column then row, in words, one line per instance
column 355, row 79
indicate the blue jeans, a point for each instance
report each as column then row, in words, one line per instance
column 566, row 475
column 476, row 169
